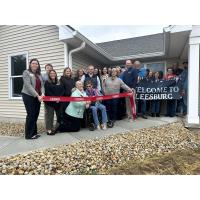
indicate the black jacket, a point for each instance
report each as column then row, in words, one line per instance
column 53, row 89
column 177, row 71
column 93, row 79
column 68, row 84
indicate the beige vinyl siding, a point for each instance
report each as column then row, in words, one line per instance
column 82, row 60
column 40, row 42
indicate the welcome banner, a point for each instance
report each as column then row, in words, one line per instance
column 163, row 89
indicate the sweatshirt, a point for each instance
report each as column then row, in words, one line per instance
column 113, row 86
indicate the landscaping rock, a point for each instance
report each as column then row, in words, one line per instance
column 96, row 156
column 16, row 128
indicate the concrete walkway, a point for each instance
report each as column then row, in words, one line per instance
column 14, row 145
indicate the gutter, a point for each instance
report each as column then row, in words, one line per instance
column 76, row 34
column 83, row 44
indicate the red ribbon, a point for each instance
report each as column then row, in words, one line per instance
column 95, row 98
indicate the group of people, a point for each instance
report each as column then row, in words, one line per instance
column 91, row 82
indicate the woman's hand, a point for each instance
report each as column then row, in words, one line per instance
column 40, row 98
column 133, row 90
column 139, row 79
column 130, row 90
column 183, row 93
column 88, row 104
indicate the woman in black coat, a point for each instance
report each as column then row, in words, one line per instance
column 79, row 75
column 68, row 83
column 52, row 88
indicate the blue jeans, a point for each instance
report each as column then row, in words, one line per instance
column 185, row 103
column 179, row 105
column 102, row 108
column 171, row 107
column 141, row 106
column 182, row 105
column 155, row 106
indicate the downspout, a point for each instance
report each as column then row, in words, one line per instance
column 74, row 51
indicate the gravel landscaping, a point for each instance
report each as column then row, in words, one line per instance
column 97, row 156
column 16, row 128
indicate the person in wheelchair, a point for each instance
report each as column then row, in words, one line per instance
column 95, row 106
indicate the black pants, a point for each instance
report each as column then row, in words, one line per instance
column 111, row 106
column 121, row 111
column 63, row 106
column 69, row 124
column 32, row 106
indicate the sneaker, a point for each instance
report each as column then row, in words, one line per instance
column 129, row 117
column 104, row 127
column 98, row 127
column 33, row 137
column 144, row 117
column 184, row 114
column 131, row 120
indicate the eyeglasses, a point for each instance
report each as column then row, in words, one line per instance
column 88, row 86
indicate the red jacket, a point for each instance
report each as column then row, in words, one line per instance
column 170, row 76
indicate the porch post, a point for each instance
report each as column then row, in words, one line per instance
column 193, row 81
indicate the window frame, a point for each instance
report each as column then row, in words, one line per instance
column 163, row 61
column 10, row 77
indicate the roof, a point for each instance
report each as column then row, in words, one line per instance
column 134, row 46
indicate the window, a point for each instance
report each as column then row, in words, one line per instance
column 160, row 66
column 18, row 63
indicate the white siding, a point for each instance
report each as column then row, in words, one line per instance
column 40, row 42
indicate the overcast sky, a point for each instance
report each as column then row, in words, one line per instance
column 103, row 33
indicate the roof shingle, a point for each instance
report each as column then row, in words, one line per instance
column 134, row 46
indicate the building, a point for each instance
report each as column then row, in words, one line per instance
column 64, row 46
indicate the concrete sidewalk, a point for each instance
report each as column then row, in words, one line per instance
column 14, row 145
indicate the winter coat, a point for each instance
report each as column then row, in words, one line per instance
column 76, row 109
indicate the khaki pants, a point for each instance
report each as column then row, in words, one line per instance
column 128, row 107
column 49, row 117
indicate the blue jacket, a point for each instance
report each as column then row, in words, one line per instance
column 142, row 72
column 76, row 109
column 184, row 79
column 130, row 77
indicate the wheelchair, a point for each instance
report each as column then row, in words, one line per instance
column 89, row 122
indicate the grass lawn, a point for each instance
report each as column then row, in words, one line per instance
column 180, row 162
